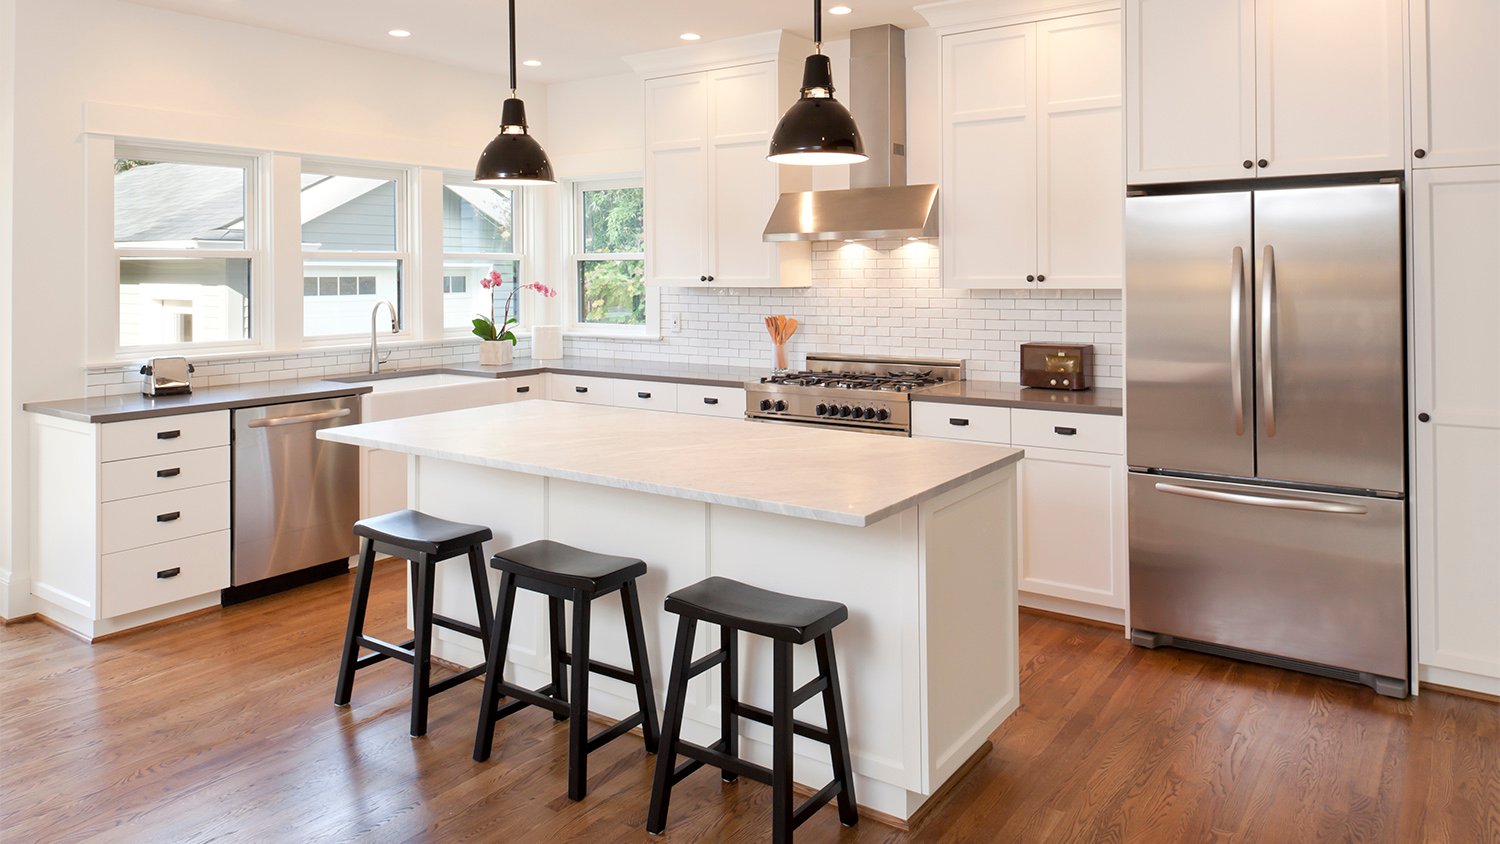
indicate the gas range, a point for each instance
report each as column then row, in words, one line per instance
column 861, row 393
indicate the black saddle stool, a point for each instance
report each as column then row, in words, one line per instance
column 787, row 620
column 424, row 541
column 564, row 573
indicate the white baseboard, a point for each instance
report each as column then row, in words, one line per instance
column 1458, row 680
column 1062, row 606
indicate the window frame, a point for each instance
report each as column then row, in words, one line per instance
column 255, row 249
column 519, row 232
column 406, row 276
column 573, row 243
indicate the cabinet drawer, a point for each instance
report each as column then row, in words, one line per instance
column 151, row 519
column 728, row 402
column 961, row 422
column 162, row 435
column 646, row 395
column 160, row 574
column 1072, row 431
column 163, row 473
column 526, row 387
column 580, row 388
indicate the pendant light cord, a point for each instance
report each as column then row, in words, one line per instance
column 512, row 48
column 817, row 29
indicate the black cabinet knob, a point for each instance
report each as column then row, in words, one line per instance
column 1249, row 164
column 1263, row 163
column 1041, row 277
column 1423, row 417
column 1031, row 278
column 1421, row 153
column 710, row 278
column 703, row 278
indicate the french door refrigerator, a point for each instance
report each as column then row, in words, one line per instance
column 1265, row 380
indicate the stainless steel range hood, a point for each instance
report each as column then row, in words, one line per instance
column 879, row 203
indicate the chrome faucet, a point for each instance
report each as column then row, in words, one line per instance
column 375, row 359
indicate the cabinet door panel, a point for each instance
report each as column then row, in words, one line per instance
column 676, row 179
column 1073, row 526
column 1329, row 86
column 989, row 158
column 743, row 182
column 1080, row 191
column 1455, row 82
column 1190, row 89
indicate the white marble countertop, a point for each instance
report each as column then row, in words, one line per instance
column 832, row 476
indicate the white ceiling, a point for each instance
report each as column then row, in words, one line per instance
column 574, row 39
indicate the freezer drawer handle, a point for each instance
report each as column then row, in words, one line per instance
column 169, row 517
column 171, row 572
column 1263, row 501
column 320, row 416
column 710, row 400
column 959, row 422
column 1067, row 432
column 169, row 473
column 168, row 435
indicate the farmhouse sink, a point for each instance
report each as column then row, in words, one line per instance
column 418, row 380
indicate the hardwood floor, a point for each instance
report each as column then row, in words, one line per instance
column 222, row 727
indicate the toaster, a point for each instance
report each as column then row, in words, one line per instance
column 1056, row 366
column 167, row 377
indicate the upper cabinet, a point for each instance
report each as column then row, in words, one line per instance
column 1224, row 89
column 1455, row 83
column 1032, row 184
column 710, row 111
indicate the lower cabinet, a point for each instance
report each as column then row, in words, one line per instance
column 1073, row 556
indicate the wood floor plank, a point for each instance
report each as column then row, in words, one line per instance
column 222, row 728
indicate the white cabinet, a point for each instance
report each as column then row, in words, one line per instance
column 645, row 395
column 583, row 389
column 1225, row 89
column 709, row 188
column 1455, row 83
column 1032, row 188
column 711, row 400
column 1455, row 253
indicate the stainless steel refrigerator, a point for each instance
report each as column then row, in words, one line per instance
column 1265, row 382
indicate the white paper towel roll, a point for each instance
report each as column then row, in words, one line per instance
column 546, row 342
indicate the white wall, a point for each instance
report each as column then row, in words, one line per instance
column 76, row 60
column 8, row 489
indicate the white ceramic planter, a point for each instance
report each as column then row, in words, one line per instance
column 495, row 352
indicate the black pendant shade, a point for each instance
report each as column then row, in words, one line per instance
column 513, row 157
column 817, row 129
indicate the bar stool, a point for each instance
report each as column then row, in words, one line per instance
column 787, row 620
column 424, row 541
column 564, row 573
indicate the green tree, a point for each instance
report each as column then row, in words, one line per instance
column 613, row 290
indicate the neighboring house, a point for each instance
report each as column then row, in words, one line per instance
column 184, row 208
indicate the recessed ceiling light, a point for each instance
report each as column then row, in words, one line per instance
column 399, row 33
column 840, row 10
column 532, row 63
column 690, row 36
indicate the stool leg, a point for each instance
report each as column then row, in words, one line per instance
column 666, row 755
column 482, row 602
column 555, row 619
column 781, row 744
column 421, row 663
column 729, row 695
column 494, row 672
column 578, row 703
column 833, row 716
column 358, row 601
column 640, row 663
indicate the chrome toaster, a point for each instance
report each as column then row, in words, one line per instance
column 167, row 377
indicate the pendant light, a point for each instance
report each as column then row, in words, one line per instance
column 513, row 157
column 817, row 129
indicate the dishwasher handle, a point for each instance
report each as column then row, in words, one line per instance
column 278, row 421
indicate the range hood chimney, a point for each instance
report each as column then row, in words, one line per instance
column 879, row 203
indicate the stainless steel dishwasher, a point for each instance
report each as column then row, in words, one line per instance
column 295, row 498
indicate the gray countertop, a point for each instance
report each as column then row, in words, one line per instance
column 1102, row 400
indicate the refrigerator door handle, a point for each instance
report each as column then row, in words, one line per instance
column 1263, row 500
column 1236, row 340
column 1268, row 338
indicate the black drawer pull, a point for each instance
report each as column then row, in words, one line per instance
column 523, row 389
column 710, row 400
column 169, row 517
column 1067, row 432
column 168, row 435
column 171, row 572
column 959, row 422
column 580, row 389
column 643, row 395
column 169, row 473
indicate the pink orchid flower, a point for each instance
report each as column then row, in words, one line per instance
column 540, row 288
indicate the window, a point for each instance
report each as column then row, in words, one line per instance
column 479, row 237
column 185, row 246
column 353, row 247
column 609, row 256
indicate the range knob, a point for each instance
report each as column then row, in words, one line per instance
column 869, row 412
column 822, row 409
column 779, row 406
column 765, row 404
column 882, row 414
column 846, row 410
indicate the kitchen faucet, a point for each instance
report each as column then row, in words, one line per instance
column 375, row 359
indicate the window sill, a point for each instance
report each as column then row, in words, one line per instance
column 644, row 335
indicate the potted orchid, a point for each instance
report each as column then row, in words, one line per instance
column 493, row 334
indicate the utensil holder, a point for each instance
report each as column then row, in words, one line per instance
column 778, row 360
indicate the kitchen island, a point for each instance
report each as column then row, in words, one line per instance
column 917, row 537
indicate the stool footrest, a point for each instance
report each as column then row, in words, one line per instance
column 616, row 730
column 603, row 669
column 449, row 682
column 457, row 626
column 714, row 755
column 814, row 686
column 698, row 666
column 801, row 728
column 530, row 697
column 816, row 802
column 384, row 650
